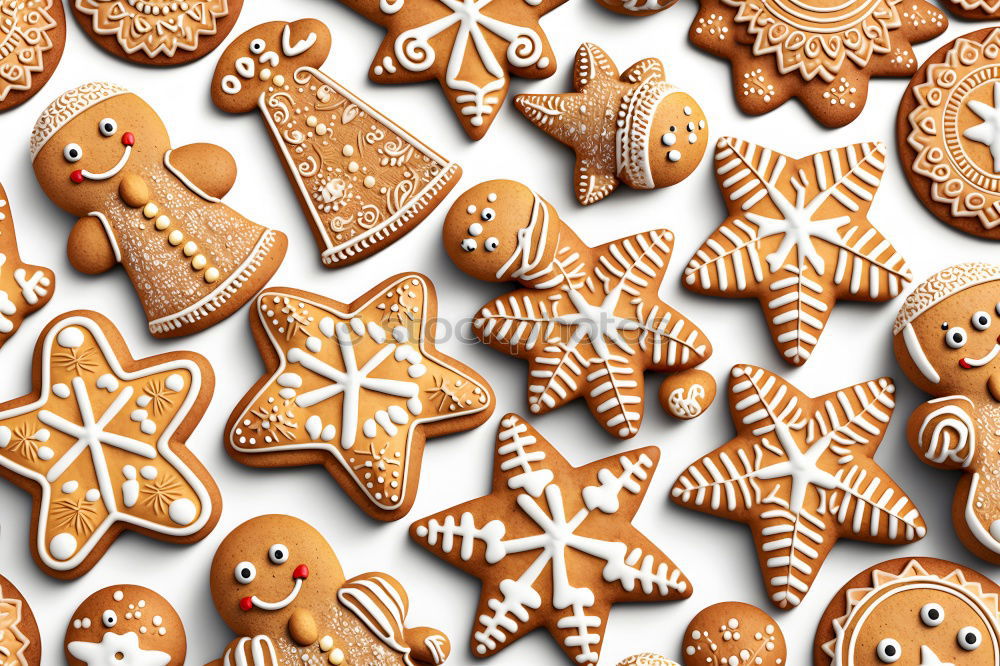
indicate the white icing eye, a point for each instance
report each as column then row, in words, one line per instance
column 257, row 46
column 491, row 244
column 888, row 650
column 278, row 554
column 981, row 321
column 72, row 152
column 108, row 127
column 109, row 618
column 488, row 215
column 469, row 245
column 969, row 638
column 245, row 573
column 956, row 337
column 932, row 615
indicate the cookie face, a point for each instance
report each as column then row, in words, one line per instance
column 362, row 181
column 800, row 473
column 734, row 634
column 23, row 288
column 798, row 238
column 32, row 36
column 125, row 624
column 100, row 444
column 157, row 32
column 633, row 127
column 553, row 544
column 912, row 611
column 20, row 643
column 821, row 52
column 687, row 394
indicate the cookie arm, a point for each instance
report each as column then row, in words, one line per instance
column 91, row 247
column 246, row 651
column 206, row 169
column 944, row 432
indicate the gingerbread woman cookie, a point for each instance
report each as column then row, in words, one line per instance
column 103, row 155
column 99, row 444
column 23, row 288
column 362, row 181
column 20, row 642
column 947, row 340
column 277, row 583
column 589, row 320
column 734, row 634
column 32, row 37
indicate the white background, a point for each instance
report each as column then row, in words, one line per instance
column 717, row 555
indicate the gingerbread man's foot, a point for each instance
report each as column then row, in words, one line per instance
column 428, row 646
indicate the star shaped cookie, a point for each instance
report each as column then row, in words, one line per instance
column 356, row 388
column 798, row 238
column 100, row 444
column 800, row 473
column 23, row 288
column 553, row 544
column 471, row 47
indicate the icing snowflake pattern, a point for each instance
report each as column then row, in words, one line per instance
column 155, row 27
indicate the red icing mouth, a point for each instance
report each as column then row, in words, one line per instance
column 246, row 603
column 77, row 176
column 965, row 364
column 128, row 139
column 301, row 572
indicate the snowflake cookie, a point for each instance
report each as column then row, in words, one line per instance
column 20, row 641
column 734, row 634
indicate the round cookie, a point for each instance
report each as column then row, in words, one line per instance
column 687, row 394
column 32, row 37
column 637, row 7
column 128, row 625
column 647, row 659
column 20, row 642
column 733, row 634
column 912, row 611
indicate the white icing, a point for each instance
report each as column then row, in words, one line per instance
column 117, row 649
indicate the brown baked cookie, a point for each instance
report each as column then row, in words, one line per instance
column 637, row 7
column 947, row 341
column 103, row 155
column 822, row 53
column 277, row 583
column 125, row 625
column 363, row 182
column 100, row 444
column 553, row 544
column 800, row 473
column 686, row 395
column 912, row 611
column 949, row 137
column 632, row 128
column 20, row 642
column 647, row 659
column 24, row 288
column 356, row 388
column 734, row 634
column 798, row 238
column 32, row 37
column 157, row 32
column 974, row 10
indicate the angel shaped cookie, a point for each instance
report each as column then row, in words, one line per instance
column 103, row 155
column 23, row 288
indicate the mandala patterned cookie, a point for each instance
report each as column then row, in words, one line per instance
column 155, row 210
column 125, row 624
column 734, row 634
column 362, row 181
column 798, row 238
column 912, row 611
column 949, row 137
column 23, row 288
column 800, row 473
column 687, row 394
column 157, row 32
column 356, row 388
column 589, row 320
column 822, row 53
column 647, row 659
column 20, row 642
column 553, row 544
column 32, row 36
column 471, row 47
column 947, row 341
column 637, row 7
column 99, row 444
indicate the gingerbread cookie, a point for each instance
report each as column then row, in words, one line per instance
column 647, row 659
column 356, row 388
column 687, row 394
column 362, row 181
column 100, row 444
column 800, row 473
column 798, row 238
column 946, row 341
column 20, row 642
column 948, row 136
column 32, row 37
column 974, row 10
column 24, row 288
column 821, row 53
column 277, row 583
column 589, row 320
column 553, row 544
column 103, row 155
column 734, row 634
column 912, row 611
column 471, row 51
column 125, row 624
column 637, row 7
column 157, row 32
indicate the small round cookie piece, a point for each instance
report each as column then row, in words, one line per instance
column 686, row 395
column 125, row 624
column 637, row 8
column 734, row 634
column 20, row 642
column 647, row 659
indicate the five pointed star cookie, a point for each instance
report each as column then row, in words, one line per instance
column 470, row 46
column 100, row 444
column 798, row 238
column 356, row 388
column 23, row 288
column 800, row 473
column 553, row 544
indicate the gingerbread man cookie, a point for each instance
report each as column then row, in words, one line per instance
column 734, row 634
column 589, row 320
column 362, row 181
column 947, row 341
column 103, row 155
column 32, row 37
column 99, row 444
column 23, row 288
column 277, row 583
column 20, row 642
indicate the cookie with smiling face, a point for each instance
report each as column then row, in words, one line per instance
column 277, row 583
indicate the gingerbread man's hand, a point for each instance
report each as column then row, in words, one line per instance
column 944, row 432
column 246, row 651
column 92, row 248
column 206, row 169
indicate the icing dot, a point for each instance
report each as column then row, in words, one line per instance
column 61, row 390
column 674, row 156
column 183, row 511
column 118, row 595
column 211, row 275
column 175, row 238
column 669, row 139
column 157, row 620
column 45, row 453
column 199, row 262
column 150, row 210
column 62, row 546
column 162, row 222
column 93, row 495
column 688, row 111
column 148, row 472
column 370, row 181
column 475, row 229
column 70, row 337
column 70, row 487
column 348, row 150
